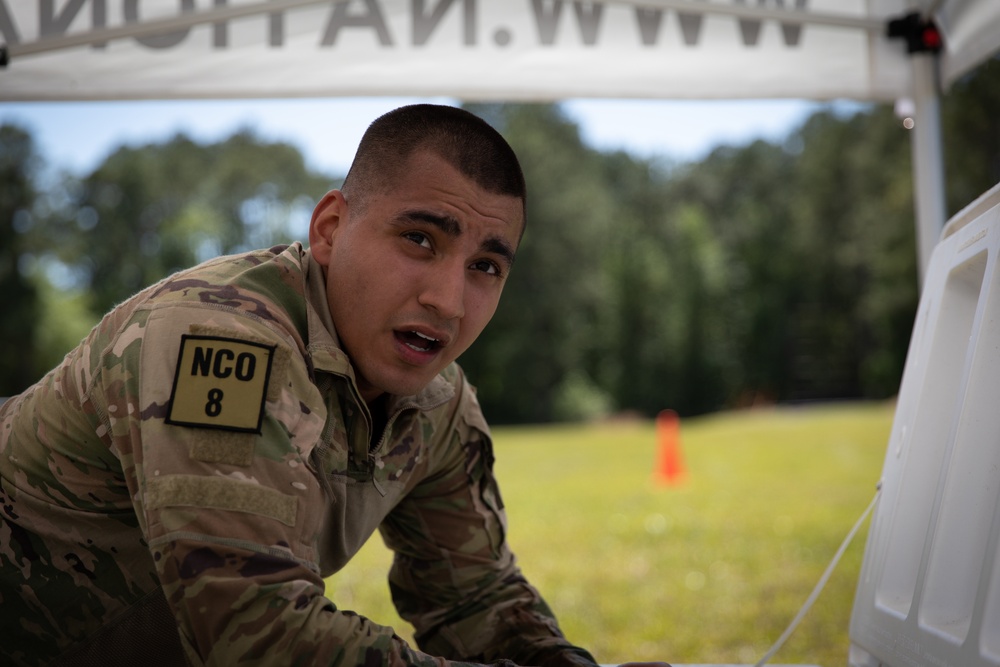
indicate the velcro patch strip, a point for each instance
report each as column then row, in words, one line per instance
column 222, row 447
column 221, row 493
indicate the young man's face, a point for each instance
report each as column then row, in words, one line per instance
column 413, row 278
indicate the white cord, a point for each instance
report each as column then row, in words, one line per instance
column 821, row 583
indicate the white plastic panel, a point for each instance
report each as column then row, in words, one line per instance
column 924, row 455
column 971, row 491
column 929, row 590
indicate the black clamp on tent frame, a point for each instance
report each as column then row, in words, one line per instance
column 921, row 35
column 4, row 56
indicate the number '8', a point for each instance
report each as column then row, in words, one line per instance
column 214, row 405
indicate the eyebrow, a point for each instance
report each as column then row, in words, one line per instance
column 451, row 227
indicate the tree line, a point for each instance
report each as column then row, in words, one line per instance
column 772, row 271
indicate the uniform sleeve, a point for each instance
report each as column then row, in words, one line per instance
column 231, row 511
column 453, row 575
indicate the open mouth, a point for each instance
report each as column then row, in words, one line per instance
column 418, row 342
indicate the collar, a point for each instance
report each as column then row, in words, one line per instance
column 328, row 355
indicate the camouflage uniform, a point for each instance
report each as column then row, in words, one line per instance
column 203, row 460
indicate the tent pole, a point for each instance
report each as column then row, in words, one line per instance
column 928, row 159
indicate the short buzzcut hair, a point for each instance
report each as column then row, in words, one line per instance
column 464, row 140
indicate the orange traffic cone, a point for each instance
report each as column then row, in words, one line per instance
column 670, row 463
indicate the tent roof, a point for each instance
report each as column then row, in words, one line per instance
column 477, row 49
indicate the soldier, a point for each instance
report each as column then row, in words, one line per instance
column 177, row 489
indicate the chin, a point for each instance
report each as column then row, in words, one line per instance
column 406, row 386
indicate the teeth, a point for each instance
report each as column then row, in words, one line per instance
column 418, row 341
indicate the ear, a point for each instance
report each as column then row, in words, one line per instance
column 330, row 213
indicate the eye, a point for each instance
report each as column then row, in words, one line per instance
column 486, row 266
column 419, row 238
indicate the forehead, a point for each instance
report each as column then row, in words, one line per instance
column 427, row 179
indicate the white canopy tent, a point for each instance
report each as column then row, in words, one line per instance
column 540, row 50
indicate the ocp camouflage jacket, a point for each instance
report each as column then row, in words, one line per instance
column 188, row 476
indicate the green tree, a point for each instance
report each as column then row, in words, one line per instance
column 534, row 351
column 663, row 347
column 777, row 271
column 969, row 113
column 19, row 165
column 644, row 323
column 742, row 192
column 820, row 279
column 151, row 210
column 855, row 208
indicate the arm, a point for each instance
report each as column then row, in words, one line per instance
column 231, row 517
column 454, row 576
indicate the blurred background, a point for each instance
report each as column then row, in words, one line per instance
column 775, row 270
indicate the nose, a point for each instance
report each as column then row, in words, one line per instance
column 443, row 291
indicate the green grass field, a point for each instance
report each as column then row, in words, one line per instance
column 711, row 570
